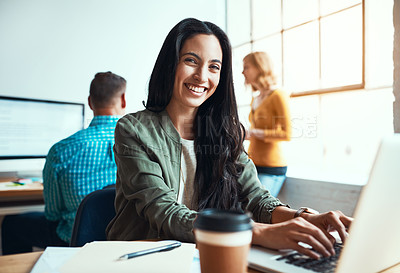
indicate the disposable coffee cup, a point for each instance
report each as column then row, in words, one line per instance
column 223, row 239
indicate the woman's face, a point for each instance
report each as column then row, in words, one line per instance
column 249, row 72
column 198, row 71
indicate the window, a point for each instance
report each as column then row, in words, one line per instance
column 317, row 44
column 335, row 59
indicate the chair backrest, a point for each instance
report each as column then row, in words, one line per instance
column 94, row 213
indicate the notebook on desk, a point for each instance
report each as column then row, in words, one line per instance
column 104, row 257
column 69, row 259
column 374, row 236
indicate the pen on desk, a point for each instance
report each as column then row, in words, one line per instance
column 150, row 251
column 22, row 181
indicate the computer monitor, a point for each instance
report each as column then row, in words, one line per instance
column 29, row 127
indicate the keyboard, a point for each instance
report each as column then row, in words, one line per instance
column 323, row 265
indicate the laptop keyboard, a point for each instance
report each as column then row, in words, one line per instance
column 323, row 265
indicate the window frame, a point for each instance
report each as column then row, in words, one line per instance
column 339, row 88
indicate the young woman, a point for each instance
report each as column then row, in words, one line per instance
column 270, row 121
column 184, row 153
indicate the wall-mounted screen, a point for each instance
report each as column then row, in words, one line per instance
column 29, row 127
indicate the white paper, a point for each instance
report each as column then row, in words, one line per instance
column 196, row 262
column 53, row 258
column 103, row 256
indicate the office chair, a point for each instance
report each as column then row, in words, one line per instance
column 94, row 213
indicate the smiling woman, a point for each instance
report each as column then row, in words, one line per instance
column 197, row 76
column 185, row 153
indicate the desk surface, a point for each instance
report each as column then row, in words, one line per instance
column 23, row 263
column 10, row 191
column 20, row 198
column 19, row 263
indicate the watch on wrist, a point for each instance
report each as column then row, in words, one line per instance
column 306, row 210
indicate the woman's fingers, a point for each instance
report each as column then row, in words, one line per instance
column 342, row 224
column 306, row 251
column 313, row 231
column 315, row 237
column 333, row 220
column 328, row 235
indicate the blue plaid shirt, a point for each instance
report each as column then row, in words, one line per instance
column 76, row 166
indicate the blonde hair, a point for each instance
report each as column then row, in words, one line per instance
column 263, row 63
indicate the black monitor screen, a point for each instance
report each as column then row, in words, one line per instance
column 28, row 127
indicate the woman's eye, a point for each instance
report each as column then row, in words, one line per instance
column 190, row 60
column 215, row 67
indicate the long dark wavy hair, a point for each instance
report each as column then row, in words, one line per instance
column 218, row 133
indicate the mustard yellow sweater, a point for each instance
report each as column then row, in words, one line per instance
column 272, row 116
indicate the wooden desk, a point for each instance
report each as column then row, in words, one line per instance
column 23, row 263
column 19, row 263
column 23, row 198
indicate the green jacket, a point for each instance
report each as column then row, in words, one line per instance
column 148, row 156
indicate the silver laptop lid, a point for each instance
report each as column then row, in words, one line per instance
column 374, row 241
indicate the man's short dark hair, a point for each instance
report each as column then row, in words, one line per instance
column 106, row 88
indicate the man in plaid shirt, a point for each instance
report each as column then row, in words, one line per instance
column 75, row 167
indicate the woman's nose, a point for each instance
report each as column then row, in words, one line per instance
column 201, row 74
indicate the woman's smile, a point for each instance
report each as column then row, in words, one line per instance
column 197, row 73
column 198, row 90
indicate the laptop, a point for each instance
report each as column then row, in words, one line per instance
column 373, row 243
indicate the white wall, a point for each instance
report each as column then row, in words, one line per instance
column 52, row 49
column 396, row 58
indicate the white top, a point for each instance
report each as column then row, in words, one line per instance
column 188, row 170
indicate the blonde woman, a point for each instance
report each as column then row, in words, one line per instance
column 269, row 119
